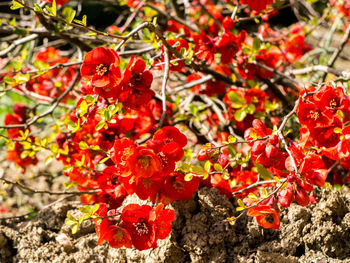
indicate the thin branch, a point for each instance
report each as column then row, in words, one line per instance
column 337, row 52
column 257, row 183
column 17, row 43
column 192, row 84
column 164, row 84
column 340, row 73
column 34, row 191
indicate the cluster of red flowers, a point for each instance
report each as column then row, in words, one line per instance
column 132, row 88
column 324, row 115
column 100, row 143
column 148, row 170
column 140, row 226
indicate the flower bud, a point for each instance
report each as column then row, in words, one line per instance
column 301, row 196
column 286, row 196
column 271, row 151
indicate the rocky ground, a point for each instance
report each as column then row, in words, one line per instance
column 317, row 233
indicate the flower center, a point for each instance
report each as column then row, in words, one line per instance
column 314, row 115
column 101, row 69
column 144, row 161
column 136, row 78
column 333, row 103
column 269, row 219
column 179, row 186
column 141, row 228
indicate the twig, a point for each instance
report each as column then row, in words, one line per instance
column 29, row 189
column 164, row 84
column 192, row 84
column 337, row 52
column 257, row 183
column 17, row 43
column 344, row 74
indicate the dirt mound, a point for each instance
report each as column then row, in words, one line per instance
column 317, row 233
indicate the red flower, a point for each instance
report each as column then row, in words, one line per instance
column 311, row 166
column 170, row 134
column 312, row 115
column 301, row 196
column 176, row 188
column 13, row 119
column 256, row 97
column 333, row 99
column 139, row 221
column 122, row 155
column 163, row 222
column 136, row 84
column 168, row 141
column 266, row 216
column 146, row 163
column 205, row 47
column 146, row 224
column 116, row 236
column 228, row 45
column 101, row 66
column 257, row 5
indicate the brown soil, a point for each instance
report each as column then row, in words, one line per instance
column 317, row 233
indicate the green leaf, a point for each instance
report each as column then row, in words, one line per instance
column 83, row 145
column 264, row 173
column 207, row 166
column 84, row 20
column 83, row 108
column 54, row 8
column 90, row 99
column 16, row 5
column 9, row 80
column 251, row 108
column 218, row 167
column 12, row 22
column 240, row 115
column 197, row 170
column 85, row 209
column 240, row 203
column 90, row 34
column 104, row 160
column 231, row 139
column 237, row 100
column 68, row 14
column 37, row 8
column 256, row 44
column 95, row 208
column 69, row 221
column 100, row 125
column 75, row 228
column 188, row 177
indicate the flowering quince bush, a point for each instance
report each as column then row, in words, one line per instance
column 173, row 97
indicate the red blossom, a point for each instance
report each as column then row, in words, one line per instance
column 257, row 5
column 101, row 67
column 266, row 216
